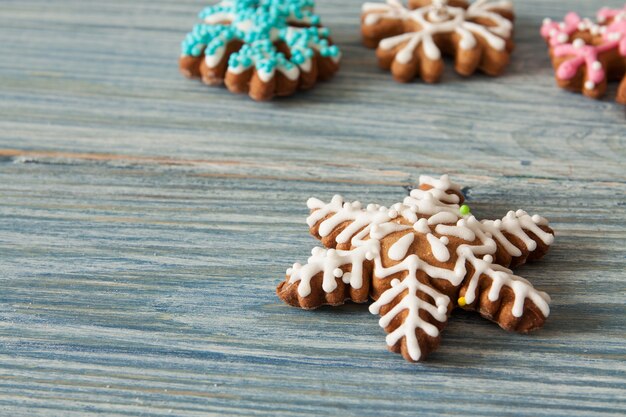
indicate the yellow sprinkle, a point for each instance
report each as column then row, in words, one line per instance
column 462, row 302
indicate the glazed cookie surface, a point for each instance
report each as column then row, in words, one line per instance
column 586, row 55
column 418, row 260
column 411, row 41
column 265, row 48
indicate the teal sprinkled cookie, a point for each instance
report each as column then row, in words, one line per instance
column 264, row 48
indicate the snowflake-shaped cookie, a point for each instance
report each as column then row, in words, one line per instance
column 266, row 48
column 586, row 55
column 411, row 42
column 418, row 260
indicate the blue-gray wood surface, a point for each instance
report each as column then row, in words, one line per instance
column 145, row 221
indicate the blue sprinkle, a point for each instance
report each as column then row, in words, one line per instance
column 259, row 20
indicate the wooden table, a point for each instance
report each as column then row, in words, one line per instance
column 146, row 220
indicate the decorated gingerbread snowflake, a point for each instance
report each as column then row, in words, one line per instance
column 586, row 55
column 411, row 42
column 265, row 48
column 418, row 260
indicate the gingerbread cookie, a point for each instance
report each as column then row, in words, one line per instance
column 586, row 55
column 265, row 48
column 411, row 43
column 418, row 260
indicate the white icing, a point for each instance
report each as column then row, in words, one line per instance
column 375, row 12
column 439, row 18
column 438, row 248
column 239, row 69
column 460, row 231
column 379, row 231
column 291, row 73
column 307, row 65
column 213, row 60
column 398, row 250
column 421, row 226
column 442, row 183
column 413, row 304
column 328, row 262
column 501, row 277
column 443, row 217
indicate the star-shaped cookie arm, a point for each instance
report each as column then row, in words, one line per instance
column 413, row 314
column 500, row 296
column 335, row 223
column 442, row 188
column 494, row 290
column 330, row 277
column 520, row 237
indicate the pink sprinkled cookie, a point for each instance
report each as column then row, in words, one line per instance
column 587, row 55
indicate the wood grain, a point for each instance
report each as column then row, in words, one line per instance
column 146, row 219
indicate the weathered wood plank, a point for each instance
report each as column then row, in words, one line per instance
column 145, row 221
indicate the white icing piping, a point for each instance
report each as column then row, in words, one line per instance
column 265, row 76
column 213, row 60
column 374, row 12
column 438, row 247
column 413, row 304
column 398, row 250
